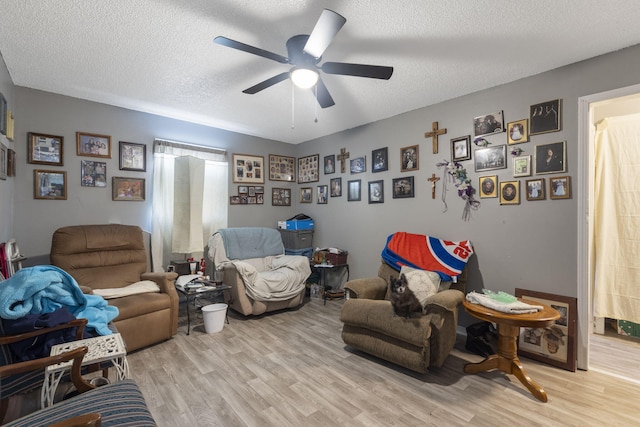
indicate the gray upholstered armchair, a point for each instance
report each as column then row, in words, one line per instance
column 370, row 324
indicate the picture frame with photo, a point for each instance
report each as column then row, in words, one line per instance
column 380, row 160
column 322, row 194
column 234, row 200
column 93, row 173
column 488, row 124
column 354, row 190
column 4, row 161
column 410, row 158
column 3, row 114
column 243, row 189
column 461, row 148
column 358, row 164
column 306, row 195
column 522, row 166
column 45, row 149
column 133, row 157
column 488, row 186
column 248, row 168
column 556, row 344
column 551, row 158
column 93, row 145
column 545, row 117
column 282, row 168
column 376, row 191
column 280, row 197
column 403, row 188
column 335, row 185
column 560, row 187
column 510, row 192
column 329, row 164
column 49, row 184
column 128, row 189
column 535, row 189
column 11, row 162
column 308, row 169
column 490, row 158
column 518, row 131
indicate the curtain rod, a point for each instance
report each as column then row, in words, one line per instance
column 189, row 145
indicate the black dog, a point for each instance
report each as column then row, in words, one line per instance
column 403, row 300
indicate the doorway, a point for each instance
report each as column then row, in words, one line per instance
column 605, row 352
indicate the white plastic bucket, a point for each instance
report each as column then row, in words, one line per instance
column 214, row 316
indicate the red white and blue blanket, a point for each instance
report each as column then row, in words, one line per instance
column 445, row 257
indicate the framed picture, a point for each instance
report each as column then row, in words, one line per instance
column 329, row 164
column 535, row 189
column 409, row 157
column 234, row 200
column 93, row 145
column 490, row 158
column 282, row 168
column 560, row 187
column 127, row 189
column 488, row 186
column 11, row 162
column 358, row 165
column 248, row 169
column 488, row 124
column 4, row 158
column 280, row 197
column 545, row 117
column 11, row 125
column 336, row 187
column 461, row 148
column 308, row 169
column 94, row 174
column 50, row 185
column 322, row 194
column 555, row 345
column 244, row 199
column 551, row 158
column 260, row 198
column 522, row 166
column 243, row 189
column 133, row 157
column 3, row 114
column 380, row 160
column 376, row 191
column 252, row 191
column 45, row 149
column 306, row 195
column 259, row 189
column 403, row 187
column 510, row 193
column 353, row 190
column 518, row 131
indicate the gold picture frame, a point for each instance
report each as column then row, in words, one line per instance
column 128, row 189
column 488, row 186
column 93, row 145
column 510, row 193
column 518, row 131
column 49, row 184
column 45, row 149
column 535, row 189
column 282, row 168
column 560, row 187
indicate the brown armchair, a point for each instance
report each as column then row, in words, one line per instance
column 370, row 324
column 114, row 256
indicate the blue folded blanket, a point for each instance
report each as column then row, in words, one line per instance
column 46, row 288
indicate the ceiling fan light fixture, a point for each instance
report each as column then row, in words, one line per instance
column 304, row 78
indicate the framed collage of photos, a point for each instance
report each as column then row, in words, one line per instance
column 248, row 169
column 308, row 169
column 94, row 174
column 280, row 197
column 248, row 195
column 282, row 168
column 556, row 344
column 45, row 149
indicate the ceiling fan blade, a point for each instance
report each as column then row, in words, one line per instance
column 323, row 33
column 250, row 49
column 322, row 95
column 358, row 70
column 267, row 83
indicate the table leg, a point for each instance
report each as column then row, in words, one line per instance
column 188, row 318
column 507, row 361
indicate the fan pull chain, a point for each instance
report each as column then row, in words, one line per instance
column 293, row 98
column 315, row 104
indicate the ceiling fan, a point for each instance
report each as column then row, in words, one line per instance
column 305, row 52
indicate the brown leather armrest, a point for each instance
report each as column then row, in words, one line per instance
column 163, row 279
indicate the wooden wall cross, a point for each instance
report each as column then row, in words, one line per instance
column 434, row 135
column 343, row 156
column 433, row 181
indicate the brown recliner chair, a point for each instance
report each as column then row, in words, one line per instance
column 114, row 256
column 370, row 324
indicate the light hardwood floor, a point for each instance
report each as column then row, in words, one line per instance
column 292, row 369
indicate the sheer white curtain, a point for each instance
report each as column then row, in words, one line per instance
column 211, row 198
column 616, row 218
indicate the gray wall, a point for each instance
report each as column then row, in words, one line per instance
column 6, row 186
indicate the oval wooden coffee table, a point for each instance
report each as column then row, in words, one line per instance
column 508, row 331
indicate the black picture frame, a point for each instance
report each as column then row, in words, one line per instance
column 551, row 158
column 403, row 188
column 132, row 156
column 376, row 191
column 358, row 165
column 354, row 190
column 329, row 164
column 490, row 158
column 461, row 148
column 93, row 173
column 335, row 185
column 3, row 114
column 308, row 169
column 380, row 160
column 321, row 194
column 488, row 124
column 545, row 117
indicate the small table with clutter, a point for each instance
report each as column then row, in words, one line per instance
column 331, row 259
column 197, row 288
column 101, row 349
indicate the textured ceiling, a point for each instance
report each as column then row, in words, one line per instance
column 158, row 56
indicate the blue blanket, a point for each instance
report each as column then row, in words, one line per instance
column 44, row 289
column 251, row 242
